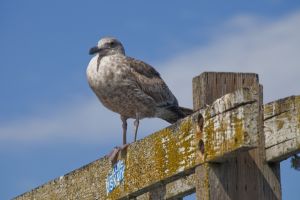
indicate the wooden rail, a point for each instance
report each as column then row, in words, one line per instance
column 282, row 128
column 229, row 137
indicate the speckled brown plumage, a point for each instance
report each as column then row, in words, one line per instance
column 130, row 87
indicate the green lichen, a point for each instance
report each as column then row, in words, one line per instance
column 177, row 147
column 212, row 150
column 209, row 151
column 173, row 149
column 139, row 171
column 187, row 137
column 222, row 131
column 279, row 124
column 239, row 133
column 186, row 126
column 166, row 149
column 268, row 110
column 171, row 155
column 160, row 151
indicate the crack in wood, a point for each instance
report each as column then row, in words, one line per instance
column 233, row 108
column 276, row 114
column 286, row 140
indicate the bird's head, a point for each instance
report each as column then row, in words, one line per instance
column 108, row 46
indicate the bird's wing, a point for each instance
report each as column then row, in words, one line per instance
column 150, row 82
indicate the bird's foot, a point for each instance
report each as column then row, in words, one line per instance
column 114, row 153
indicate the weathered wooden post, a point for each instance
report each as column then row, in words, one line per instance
column 230, row 148
column 248, row 175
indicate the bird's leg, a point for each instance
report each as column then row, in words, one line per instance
column 136, row 125
column 124, row 126
column 114, row 153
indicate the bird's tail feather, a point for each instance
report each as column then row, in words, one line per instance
column 186, row 111
column 175, row 113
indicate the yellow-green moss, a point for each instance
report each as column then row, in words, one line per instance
column 171, row 155
column 189, row 134
column 186, row 126
column 209, row 127
column 211, row 149
column 268, row 110
column 168, row 148
column 239, row 133
column 279, row 124
column 222, row 131
column 160, row 151
column 178, row 146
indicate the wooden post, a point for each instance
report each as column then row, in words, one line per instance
column 165, row 157
column 248, row 175
column 222, row 151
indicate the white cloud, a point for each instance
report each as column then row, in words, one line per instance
column 249, row 44
column 244, row 44
column 85, row 121
column 67, row 121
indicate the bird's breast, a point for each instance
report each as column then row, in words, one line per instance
column 105, row 74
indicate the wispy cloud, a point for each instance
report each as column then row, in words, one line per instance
column 243, row 44
column 69, row 121
column 249, row 44
column 85, row 121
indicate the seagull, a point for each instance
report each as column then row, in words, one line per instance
column 130, row 87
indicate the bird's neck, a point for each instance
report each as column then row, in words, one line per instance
column 110, row 53
column 100, row 56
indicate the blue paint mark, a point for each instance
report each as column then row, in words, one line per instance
column 115, row 176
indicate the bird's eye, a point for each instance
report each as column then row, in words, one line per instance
column 112, row 43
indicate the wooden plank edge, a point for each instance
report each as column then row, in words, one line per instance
column 282, row 128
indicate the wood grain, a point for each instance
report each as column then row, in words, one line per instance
column 282, row 128
column 229, row 125
column 247, row 176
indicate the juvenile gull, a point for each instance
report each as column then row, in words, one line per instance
column 129, row 86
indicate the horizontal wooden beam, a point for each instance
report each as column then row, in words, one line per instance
column 282, row 128
column 174, row 190
column 209, row 135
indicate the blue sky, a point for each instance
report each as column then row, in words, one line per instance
column 51, row 122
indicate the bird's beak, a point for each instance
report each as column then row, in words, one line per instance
column 94, row 50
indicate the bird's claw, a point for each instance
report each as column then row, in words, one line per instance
column 114, row 153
